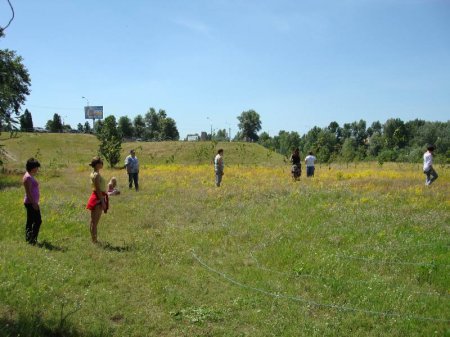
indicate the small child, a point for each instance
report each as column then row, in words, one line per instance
column 31, row 201
column 112, row 187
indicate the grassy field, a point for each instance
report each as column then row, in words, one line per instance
column 357, row 251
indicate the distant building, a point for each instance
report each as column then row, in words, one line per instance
column 193, row 138
column 203, row 136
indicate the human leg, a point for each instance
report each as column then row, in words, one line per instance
column 29, row 223
column 95, row 218
column 136, row 180
column 218, row 178
column 130, row 180
column 432, row 175
column 37, row 220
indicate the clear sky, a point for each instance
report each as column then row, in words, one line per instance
column 298, row 63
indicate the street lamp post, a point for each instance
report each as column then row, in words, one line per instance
column 93, row 119
column 210, row 121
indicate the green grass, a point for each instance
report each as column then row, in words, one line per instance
column 362, row 251
column 64, row 150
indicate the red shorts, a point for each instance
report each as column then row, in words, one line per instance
column 95, row 201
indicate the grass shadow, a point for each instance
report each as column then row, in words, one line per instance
column 49, row 246
column 36, row 327
column 112, row 248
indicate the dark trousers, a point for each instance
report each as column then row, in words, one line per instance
column 310, row 171
column 34, row 221
column 133, row 177
column 431, row 176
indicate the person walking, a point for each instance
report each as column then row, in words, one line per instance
column 132, row 166
column 98, row 201
column 31, row 201
column 428, row 169
column 309, row 160
column 296, row 169
column 218, row 167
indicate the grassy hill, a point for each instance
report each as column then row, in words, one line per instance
column 357, row 251
column 77, row 149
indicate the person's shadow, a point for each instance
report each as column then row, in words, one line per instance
column 49, row 246
column 112, row 248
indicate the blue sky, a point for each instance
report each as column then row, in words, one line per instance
column 297, row 63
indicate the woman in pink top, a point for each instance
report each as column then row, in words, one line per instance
column 31, row 201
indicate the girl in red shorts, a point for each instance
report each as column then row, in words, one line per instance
column 98, row 202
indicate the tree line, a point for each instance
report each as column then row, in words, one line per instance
column 393, row 140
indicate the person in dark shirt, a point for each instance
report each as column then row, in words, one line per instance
column 296, row 169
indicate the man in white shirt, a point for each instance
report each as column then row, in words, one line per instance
column 132, row 166
column 428, row 166
column 309, row 160
column 219, row 166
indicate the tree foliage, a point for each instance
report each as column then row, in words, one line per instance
column 393, row 140
column 110, row 140
column 26, row 121
column 126, row 127
column 14, row 87
column 249, row 125
column 55, row 124
column 154, row 126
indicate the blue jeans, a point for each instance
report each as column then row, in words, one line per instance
column 431, row 176
column 218, row 178
column 133, row 177
column 310, row 171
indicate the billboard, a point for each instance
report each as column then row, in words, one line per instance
column 93, row 112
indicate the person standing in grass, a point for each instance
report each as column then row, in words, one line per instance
column 428, row 169
column 219, row 166
column 31, row 201
column 309, row 160
column 296, row 169
column 98, row 201
column 132, row 166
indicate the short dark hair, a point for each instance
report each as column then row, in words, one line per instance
column 95, row 161
column 311, row 153
column 220, row 150
column 31, row 164
column 132, row 151
column 430, row 148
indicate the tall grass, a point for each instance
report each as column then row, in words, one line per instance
column 360, row 251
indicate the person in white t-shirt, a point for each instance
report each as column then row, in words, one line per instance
column 218, row 167
column 309, row 160
column 428, row 169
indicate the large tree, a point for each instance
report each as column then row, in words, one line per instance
column 169, row 129
column 87, row 127
column 26, row 121
column 14, row 87
column 159, row 127
column 249, row 124
column 55, row 124
column 139, row 126
column 110, row 140
column 126, row 127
